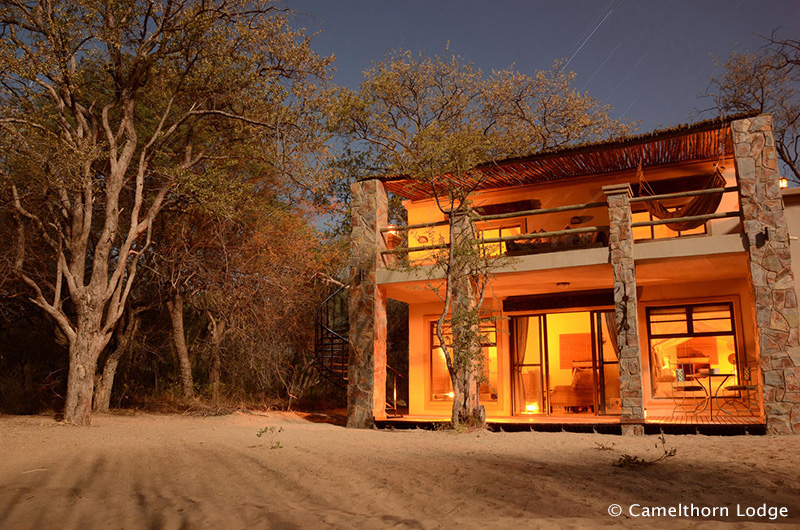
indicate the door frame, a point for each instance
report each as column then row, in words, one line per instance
column 598, row 363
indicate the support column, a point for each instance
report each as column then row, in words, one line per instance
column 771, row 277
column 366, row 388
column 626, row 307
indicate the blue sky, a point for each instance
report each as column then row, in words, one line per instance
column 650, row 60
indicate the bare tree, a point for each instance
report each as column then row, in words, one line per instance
column 106, row 108
column 767, row 81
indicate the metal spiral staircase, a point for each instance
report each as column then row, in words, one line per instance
column 332, row 345
column 331, row 342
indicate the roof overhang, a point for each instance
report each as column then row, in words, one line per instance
column 703, row 141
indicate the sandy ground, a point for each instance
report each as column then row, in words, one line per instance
column 167, row 471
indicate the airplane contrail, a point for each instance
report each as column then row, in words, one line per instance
column 625, row 78
column 601, row 65
column 628, row 108
column 590, row 36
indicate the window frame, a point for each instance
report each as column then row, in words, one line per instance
column 486, row 327
column 690, row 333
column 651, row 229
column 519, row 225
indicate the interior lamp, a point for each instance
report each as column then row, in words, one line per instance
column 784, row 182
column 532, row 408
column 392, row 238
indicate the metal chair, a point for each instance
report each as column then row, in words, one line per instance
column 741, row 398
column 690, row 396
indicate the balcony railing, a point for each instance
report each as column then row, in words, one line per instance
column 691, row 218
column 545, row 240
column 548, row 241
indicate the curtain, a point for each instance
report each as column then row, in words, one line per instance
column 611, row 331
column 700, row 205
column 521, row 325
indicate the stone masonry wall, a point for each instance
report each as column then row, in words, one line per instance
column 771, row 275
column 622, row 262
column 366, row 390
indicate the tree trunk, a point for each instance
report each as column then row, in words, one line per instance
column 104, row 383
column 467, row 347
column 175, row 307
column 465, row 319
column 466, row 407
column 217, row 334
column 83, row 353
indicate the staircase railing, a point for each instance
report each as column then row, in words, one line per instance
column 332, row 345
column 391, row 406
column 331, row 342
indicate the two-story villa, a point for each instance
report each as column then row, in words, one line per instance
column 645, row 279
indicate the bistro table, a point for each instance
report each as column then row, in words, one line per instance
column 711, row 396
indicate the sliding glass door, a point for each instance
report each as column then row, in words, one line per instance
column 565, row 363
column 527, row 360
column 606, row 354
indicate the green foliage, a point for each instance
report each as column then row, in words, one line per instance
column 271, row 432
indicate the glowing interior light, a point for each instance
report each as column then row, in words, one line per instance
column 392, row 230
column 784, row 182
column 532, row 407
column 451, row 394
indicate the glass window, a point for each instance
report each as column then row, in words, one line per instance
column 641, row 232
column 668, row 321
column 442, row 386
column 711, row 319
column 658, row 231
column 692, row 338
column 495, row 249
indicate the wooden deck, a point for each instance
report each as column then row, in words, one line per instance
column 589, row 423
column 700, row 419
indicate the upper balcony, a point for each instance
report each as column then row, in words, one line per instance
column 550, row 212
column 543, row 234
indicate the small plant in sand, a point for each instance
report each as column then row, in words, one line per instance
column 271, row 432
column 634, row 461
column 600, row 446
column 460, row 428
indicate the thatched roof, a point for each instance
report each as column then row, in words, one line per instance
column 706, row 140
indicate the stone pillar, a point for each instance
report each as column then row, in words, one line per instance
column 767, row 239
column 626, row 307
column 366, row 388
